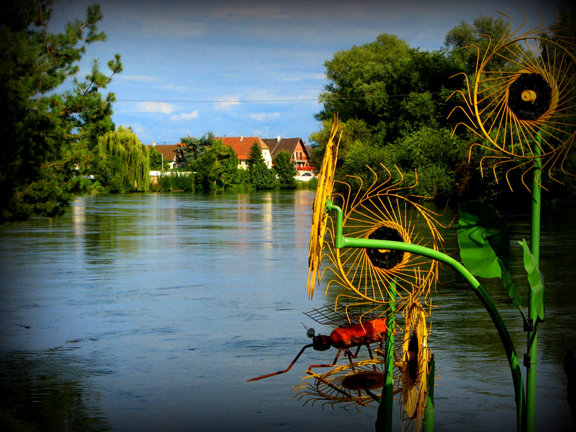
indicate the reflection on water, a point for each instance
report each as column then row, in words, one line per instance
column 149, row 312
column 52, row 390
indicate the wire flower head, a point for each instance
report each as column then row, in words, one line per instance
column 524, row 111
column 367, row 274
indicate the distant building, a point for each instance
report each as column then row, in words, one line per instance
column 168, row 151
column 241, row 145
column 295, row 147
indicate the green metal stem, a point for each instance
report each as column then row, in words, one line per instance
column 386, row 408
column 341, row 241
column 531, row 360
column 429, row 416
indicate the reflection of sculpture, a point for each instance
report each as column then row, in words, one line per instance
column 354, row 384
column 521, row 104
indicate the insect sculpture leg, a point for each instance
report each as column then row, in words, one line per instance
column 282, row 371
column 325, row 365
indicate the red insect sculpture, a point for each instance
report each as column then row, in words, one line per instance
column 344, row 337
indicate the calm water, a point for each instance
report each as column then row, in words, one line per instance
column 149, row 313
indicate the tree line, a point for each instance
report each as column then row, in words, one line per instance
column 207, row 164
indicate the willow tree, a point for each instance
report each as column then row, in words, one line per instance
column 124, row 163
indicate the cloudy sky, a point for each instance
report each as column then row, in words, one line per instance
column 252, row 67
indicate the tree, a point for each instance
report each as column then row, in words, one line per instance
column 217, row 168
column 157, row 162
column 48, row 136
column 124, row 162
column 465, row 41
column 261, row 177
column 284, row 167
column 193, row 148
column 389, row 86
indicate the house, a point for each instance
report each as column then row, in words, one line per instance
column 295, row 147
column 241, row 145
column 168, row 151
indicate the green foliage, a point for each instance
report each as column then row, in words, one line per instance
column 434, row 154
column 261, row 177
column 536, row 281
column 217, row 168
column 484, row 33
column 50, row 135
column 310, row 184
column 156, row 160
column 124, row 162
column 193, row 148
column 390, row 99
column 370, row 83
column 485, row 244
column 285, row 170
column 176, row 181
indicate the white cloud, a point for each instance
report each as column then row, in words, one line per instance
column 185, row 116
column 155, row 107
column 264, row 116
column 227, row 103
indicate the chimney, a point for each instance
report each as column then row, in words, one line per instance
column 153, row 143
column 241, row 137
column 278, row 139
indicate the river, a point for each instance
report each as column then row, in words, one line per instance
column 148, row 312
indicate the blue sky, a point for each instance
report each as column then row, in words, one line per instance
column 251, row 67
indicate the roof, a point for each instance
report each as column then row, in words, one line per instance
column 167, row 150
column 241, row 145
column 287, row 144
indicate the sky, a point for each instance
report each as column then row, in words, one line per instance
column 252, row 67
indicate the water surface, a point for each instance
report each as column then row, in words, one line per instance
column 149, row 312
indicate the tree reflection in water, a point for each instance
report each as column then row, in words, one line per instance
column 50, row 390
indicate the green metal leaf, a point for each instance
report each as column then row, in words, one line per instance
column 536, row 281
column 485, row 245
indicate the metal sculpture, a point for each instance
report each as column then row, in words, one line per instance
column 358, row 334
column 521, row 100
column 523, row 110
column 356, row 384
column 414, row 367
column 385, row 211
column 319, row 221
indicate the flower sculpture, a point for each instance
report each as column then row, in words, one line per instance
column 368, row 274
column 319, row 218
column 521, row 100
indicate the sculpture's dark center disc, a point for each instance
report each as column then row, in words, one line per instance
column 363, row 380
column 384, row 258
column 529, row 108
